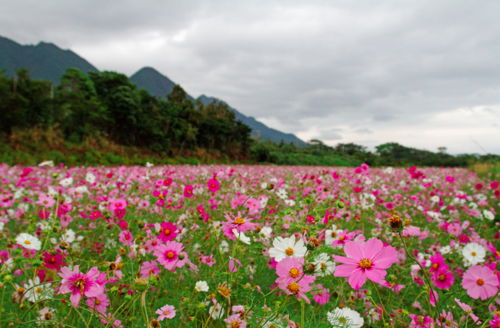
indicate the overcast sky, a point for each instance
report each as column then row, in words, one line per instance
column 421, row 73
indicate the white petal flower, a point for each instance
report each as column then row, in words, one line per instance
column 324, row 265
column 66, row 182
column 474, row 253
column 489, row 215
column 47, row 163
column 286, row 247
column 224, row 247
column 28, row 241
column 201, row 286
column 241, row 236
column 345, row 317
column 216, row 312
column 90, row 178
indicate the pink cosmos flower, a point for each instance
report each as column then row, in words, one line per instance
column 112, row 321
column 79, row 284
column 235, row 321
column 396, row 288
column 208, row 260
column 232, row 264
column 367, row 261
column 213, row 185
column 495, row 322
column 298, row 288
column 289, row 269
column 480, row 282
column 321, row 295
column 443, row 279
column 118, row 204
column 455, row 229
column 240, row 223
column 149, row 269
column 100, row 303
column 168, row 311
column 171, row 255
column 126, row 238
column 188, row 191
column 45, row 200
column 446, row 320
column 419, row 321
column 167, row 231
column 343, row 237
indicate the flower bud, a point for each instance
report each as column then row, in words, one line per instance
column 340, row 204
column 141, row 224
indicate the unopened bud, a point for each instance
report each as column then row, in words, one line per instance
column 141, row 224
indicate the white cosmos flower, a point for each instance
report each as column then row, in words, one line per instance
column 474, row 253
column 52, row 192
column 241, row 236
column 47, row 163
column 7, row 265
column 35, row 291
column 44, row 225
column 66, row 182
column 286, row 247
column 263, row 185
column 445, row 249
column 90, row 177
column 217, row 312
column 323, row 265
column 149, row 164
column 68, row 236
column 489, row 215
column 345, row 317
column 290, row 202
column 201, row 286
column 224, row 246
column 266, row 232
column 331, row 235
column 282, row 193
column 28, row 241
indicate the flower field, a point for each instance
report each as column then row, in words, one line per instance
column 248, row 246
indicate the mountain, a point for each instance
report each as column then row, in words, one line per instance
column 156, row 83
column 49, row 62
column 44, row 61
column 159, row 85
column 259, row 129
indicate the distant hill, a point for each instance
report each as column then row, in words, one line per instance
column 159, row 85
column 156, row 83
column 49, row 62
column 44, row 61
column 259, row 129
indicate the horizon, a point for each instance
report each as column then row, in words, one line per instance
column 387, row 77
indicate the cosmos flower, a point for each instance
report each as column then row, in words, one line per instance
column 167, row 311
column 367, row 261
column 286, row 247
column 480, row 282
column 171, row 255
column 345, row 317
column 79, row 284
column 28, row 241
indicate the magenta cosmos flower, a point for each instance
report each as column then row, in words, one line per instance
column 443, row 279
column 367, row 261
column 419, row 321
column 171, row 255
column 188, row 191
column 79, row 284
column 480, row 282
column 238, row 222
column 213, row 185
column 167, row 231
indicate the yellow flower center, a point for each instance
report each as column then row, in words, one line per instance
column 239, row 221
column 167, row 231
column 97, row 302
column 165, row 313
column 294, row 287
column 27, row 242
column 342, row 320
column 480, row 282
column 294, row 273
column 473, row 253
column 442, row 277
column 170, row 255
column 365, row 263
column 341, row 238
column 289, row 251
column 235, row 324
column 334, row 234
column 435, row 266
column 39, row 290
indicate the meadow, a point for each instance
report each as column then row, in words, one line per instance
column 248, row 246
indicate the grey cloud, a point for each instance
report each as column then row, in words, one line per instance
column 330, row 135
column 362, row 64
column 363, row 131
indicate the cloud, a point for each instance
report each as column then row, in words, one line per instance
column 363, row 131
column 395, row 68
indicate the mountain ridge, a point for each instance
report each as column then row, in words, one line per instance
column 47, row 61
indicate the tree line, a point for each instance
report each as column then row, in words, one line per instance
column 108, row 103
